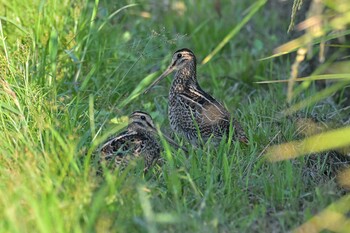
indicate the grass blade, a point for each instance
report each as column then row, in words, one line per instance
column 254, row 8
column 321, row 142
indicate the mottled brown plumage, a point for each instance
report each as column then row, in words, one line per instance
column 139, row 140
column 190, row 107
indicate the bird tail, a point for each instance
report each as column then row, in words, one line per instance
column 239, row 133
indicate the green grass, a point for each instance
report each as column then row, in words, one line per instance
column 67, row 69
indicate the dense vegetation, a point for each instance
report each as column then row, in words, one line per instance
column 70, row 73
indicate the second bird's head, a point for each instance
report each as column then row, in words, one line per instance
column 142, row 120
column 181, row 58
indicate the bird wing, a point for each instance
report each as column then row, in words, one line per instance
column 118, row 145
column 209, row 112
column 204, row 107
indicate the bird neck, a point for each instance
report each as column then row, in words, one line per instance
column 137, row 127
column 185, row 76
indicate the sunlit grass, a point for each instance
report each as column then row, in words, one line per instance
column 319, row 27
column 334, row 139
column 332, row 218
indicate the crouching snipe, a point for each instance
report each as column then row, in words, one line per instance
column 139, row 140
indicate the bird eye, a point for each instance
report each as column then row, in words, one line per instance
column 179, row 55
column 143, row 118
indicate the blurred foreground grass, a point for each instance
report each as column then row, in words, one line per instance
column 327, row 23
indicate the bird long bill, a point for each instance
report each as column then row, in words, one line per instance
column 165, row 73
column 169, row 140
column 173, row 143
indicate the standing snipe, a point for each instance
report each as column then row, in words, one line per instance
column 138, row 140
column 191, row 108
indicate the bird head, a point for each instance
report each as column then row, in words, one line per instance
column 142, row 120
column 180, row 59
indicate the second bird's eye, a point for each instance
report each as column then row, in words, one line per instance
column 143, row 118
column 179, row 55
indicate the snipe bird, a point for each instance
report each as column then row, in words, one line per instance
column 139, row 140
column 190, row 108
